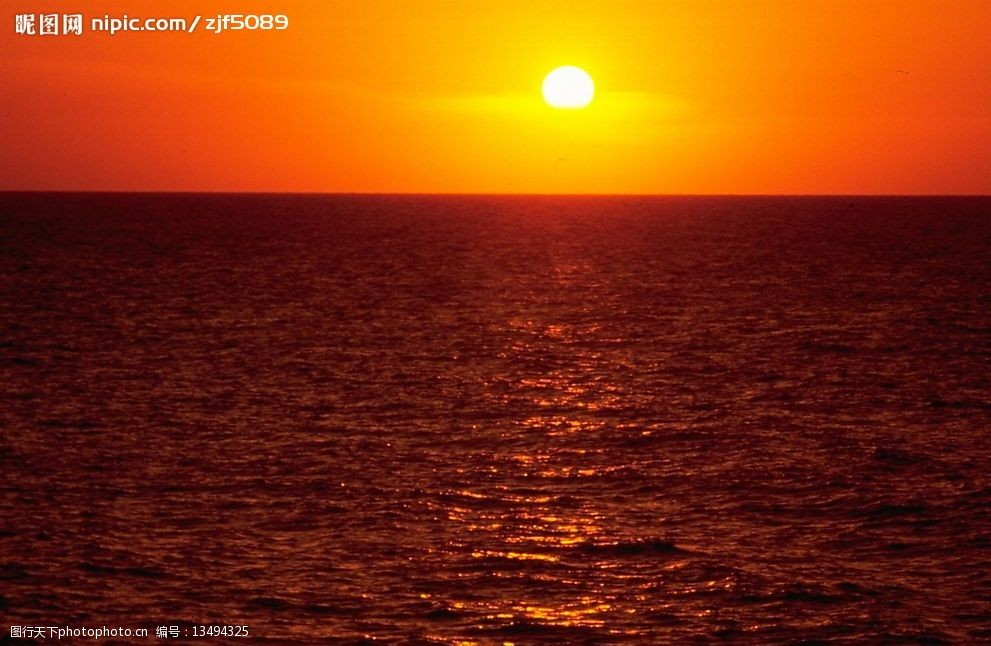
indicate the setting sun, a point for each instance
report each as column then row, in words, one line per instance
column 569, row 88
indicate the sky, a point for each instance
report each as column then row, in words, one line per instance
column 428, row 96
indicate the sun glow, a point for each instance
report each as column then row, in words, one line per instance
column 568, row 88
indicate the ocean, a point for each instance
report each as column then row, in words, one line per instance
column 493, row 420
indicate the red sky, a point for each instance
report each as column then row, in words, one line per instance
column 692, row 97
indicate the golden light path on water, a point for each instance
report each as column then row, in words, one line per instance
column 565, row 401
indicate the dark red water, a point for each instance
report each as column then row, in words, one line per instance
column 488, row 420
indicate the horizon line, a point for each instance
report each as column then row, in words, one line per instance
column 466, row 194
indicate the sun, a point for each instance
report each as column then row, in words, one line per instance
column 568, row 88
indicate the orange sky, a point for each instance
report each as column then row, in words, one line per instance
column 429, row 96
